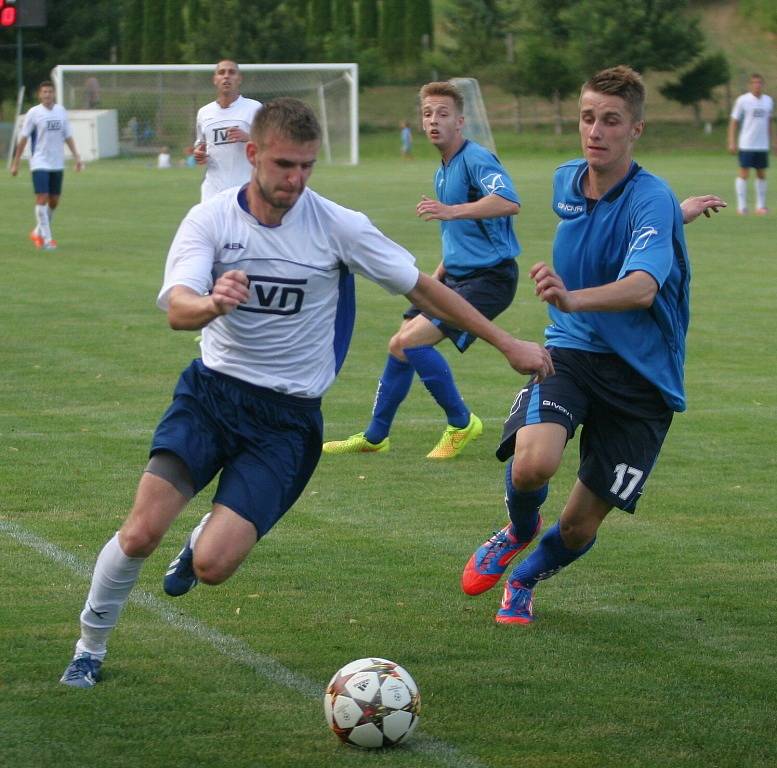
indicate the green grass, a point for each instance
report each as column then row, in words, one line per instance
column 657, row 649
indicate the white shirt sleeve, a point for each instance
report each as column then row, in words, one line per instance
column 190, row 258
column 368, row 252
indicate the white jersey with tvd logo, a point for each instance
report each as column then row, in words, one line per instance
column 292, row 334
column 227, row 164
column 47, row 128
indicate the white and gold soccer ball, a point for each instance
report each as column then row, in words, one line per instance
column 372, row 703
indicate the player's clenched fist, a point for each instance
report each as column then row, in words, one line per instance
column 229, row 291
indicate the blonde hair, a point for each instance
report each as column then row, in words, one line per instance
column 444, row 89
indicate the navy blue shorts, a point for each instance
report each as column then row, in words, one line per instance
column 490, row 291
column 749, row 158
column 47, row 182
column 624, row 418
column 266, row 444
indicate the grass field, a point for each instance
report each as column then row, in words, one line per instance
column 656, row 649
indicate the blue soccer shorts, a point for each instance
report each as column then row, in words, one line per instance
column 624, row 420
column 749, row 158
column 265, row 444
column 490, row 290
column 47, row 182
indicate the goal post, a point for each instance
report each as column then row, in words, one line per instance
column 157, row 103
column 476, row 125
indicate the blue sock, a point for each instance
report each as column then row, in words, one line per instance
column 393, row 387
column 523, row 506
column 433, row 369
column 548, row 558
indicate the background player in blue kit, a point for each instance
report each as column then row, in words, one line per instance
column 265, row 270
column 475, row 205
column 618, row 296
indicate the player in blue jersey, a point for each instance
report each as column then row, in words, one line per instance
column 617, row 295
column 476, row 201
column 266, row 271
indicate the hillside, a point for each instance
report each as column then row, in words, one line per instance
column 747, row 47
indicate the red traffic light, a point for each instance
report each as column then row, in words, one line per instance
column 7, row 13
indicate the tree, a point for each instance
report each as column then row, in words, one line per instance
column 392, row 30
column 131, row 37
column 153, row 43
column 173, row 31
column 542, row 63
column 418, row 29
column 478, row 29
column 657, row 35
column 696, row 83
column 368, row 23
column 342, row 18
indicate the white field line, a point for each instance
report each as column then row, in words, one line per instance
column 230, row 647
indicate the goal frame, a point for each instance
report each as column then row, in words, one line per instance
column 350, row 72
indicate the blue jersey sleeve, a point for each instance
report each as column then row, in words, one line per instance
column 489, row 176
column 651, row 248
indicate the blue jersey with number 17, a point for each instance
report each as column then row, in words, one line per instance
column 637, row 225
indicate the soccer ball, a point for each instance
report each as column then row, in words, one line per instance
column 372, row 703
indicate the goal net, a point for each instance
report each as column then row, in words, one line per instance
column 157, row 104
column 476, row 125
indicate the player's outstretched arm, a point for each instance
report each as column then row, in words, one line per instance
column 693, row 207
column 488, row 207
column 438, row 300
column 189, row 311
column 635, row 291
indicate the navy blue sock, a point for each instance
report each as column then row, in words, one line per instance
column 393, row 387
column 523, row 506
column 548, row 558
column 433, row 369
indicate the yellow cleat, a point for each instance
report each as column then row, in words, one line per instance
column 454, row 439
column 356, row 444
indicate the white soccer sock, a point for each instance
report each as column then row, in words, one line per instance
column 760, row 193
column 114, row 577
column 198, row 530
column 42, row 217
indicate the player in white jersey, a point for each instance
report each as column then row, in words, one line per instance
column 752, row 117
column 222, row 132
column 266, row 271
column 47, row 129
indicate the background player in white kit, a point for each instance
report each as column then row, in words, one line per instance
column 47, row 129
column 267, row 272
column 222, row 132
column 752, row 117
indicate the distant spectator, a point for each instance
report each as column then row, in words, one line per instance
column 163, row 159
column 406, row 139
column 92, row 92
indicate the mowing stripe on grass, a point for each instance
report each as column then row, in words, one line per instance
column 230, row 647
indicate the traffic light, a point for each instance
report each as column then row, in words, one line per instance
column 9, row 13
column 22, row 13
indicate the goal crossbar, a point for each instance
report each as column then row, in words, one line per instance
column 313, row 83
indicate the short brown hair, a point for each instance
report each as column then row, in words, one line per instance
column 444, row 88
column 290, row 117
column 621, row 81
column 46, row 84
